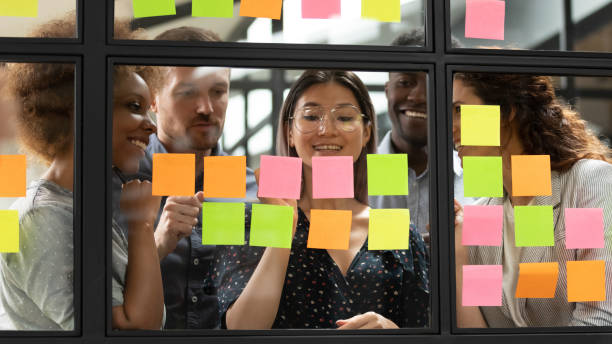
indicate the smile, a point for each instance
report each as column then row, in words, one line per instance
column 139, row 144
column 327, row 147
column 414, row 114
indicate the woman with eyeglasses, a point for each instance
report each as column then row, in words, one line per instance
column 326, row 113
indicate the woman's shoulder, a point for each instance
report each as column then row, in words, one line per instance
column 589, row 168
column 46, row 197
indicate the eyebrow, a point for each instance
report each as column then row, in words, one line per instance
column 317, row 104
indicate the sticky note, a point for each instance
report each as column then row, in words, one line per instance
column 153, row 8
column 482, row 225
column 173, row 174
column 482, row 176
column 271, row 226
column 261, row 8
column 321, row 9
column 537, row 280
column 222, row 223
column 332, row 177
column 480, row 125
column 531, row 175
column 584, row 228
column 485, row 19
column 280, row 177
column 225, row 176
column 212, row 8
column 9, row 231
column 21, row 8
column 482, row 285
column 387, row 174
column 533, row 226
column 586, row 280
column 330, row 229
column 381, row 10
column 389, row 229
column 12, row 175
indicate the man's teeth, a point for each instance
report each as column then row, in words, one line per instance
column 140, row 144
column 328, row 147
column 415, row 114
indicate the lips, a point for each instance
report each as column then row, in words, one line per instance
column 327, row 147
column 139, row 142
column 414, row 114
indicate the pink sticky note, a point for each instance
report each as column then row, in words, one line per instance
column 485, row 19
column 482, row 285
column 584, row 228
column 482, row 225
column 280, row 177
column 332, row 177
column 321, row 9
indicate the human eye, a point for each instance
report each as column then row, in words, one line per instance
column 134, row 106
column 406, row 82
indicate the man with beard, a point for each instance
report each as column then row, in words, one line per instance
column 190, row 104
column 407, row 108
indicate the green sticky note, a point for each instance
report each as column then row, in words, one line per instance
column 212, row 8
column 271, row 226
column 480, row 125
column 389, row 229
column 9, row 231
column 387, row 174
column 20, row 8
column 482, row 176
column 381, row 10
column 533, row 226
column 222, row 223
column 153, row 8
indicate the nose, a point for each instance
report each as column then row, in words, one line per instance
column 418, row 94
column 326, row 125
column 149, row 126
column 204, row 105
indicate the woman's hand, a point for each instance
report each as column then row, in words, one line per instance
column 369, row 320
column 460, row 250
column 138, row 204
column 279, row 201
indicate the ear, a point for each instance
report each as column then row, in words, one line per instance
column 387, row 89
column 154, row 104
column 290, row 136
column 512, row 114
column 367, row 134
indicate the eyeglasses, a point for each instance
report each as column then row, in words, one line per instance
column 344, row 117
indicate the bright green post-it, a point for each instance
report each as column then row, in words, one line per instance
column 389, row 229
column 533, row 226
column 9, row 231
column 21, row 8
column 387, row 174
column 212, row 8
column 381, row 10
column 480, row 125
column 271, row 226
column 222, row 223
column 482, row 176
column 153, row 8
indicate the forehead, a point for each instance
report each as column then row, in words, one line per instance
column 327, row 94
column 199, row 75
column 465, row 94
column 133, row 82
column 413, row 75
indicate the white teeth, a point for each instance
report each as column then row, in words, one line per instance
column 140, row 144
column 415, row 114
column 327, row 147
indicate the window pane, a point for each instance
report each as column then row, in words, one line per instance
column 347, row 27
column 36, row 197
column 532, row 25
column 22, row 18
column 535, row 225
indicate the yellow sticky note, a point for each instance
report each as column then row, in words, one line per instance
column 19, row 8
column 586, row 281
column 531, row 175
column 537, row 280
column 480, row 125
column 12, row 175
column 389, row 229
column 381, row 10
column 173, row 174
column 9, row 231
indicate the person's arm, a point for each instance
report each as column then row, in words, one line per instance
column 470, row 316
column 178, row 217
column 143, row 304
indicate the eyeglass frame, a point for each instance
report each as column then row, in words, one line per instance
column 366, row 120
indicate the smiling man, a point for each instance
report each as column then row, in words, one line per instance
column 407, row 109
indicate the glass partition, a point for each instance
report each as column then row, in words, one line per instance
column 24, row 18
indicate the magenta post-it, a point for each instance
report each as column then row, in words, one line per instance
column 321, row 9
column 482, row 225
column 280, row 177
column 332, row 177
column 584, row 228
column 485, row 19
column 482, row 285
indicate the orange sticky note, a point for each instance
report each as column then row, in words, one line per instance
column 12, row 175
column 261, row 8
column 586, row 280
column 225, row 176
column 531, row 175
column 537, row 280
column 173, row 174
column 329, row 229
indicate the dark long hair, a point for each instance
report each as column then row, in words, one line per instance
column 545, row 125
column 352, row 82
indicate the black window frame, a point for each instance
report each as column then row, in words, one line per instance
column 94, row 53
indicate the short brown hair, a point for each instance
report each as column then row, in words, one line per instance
column 349, row 80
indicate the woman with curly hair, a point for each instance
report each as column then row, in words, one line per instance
column 37, row 281
column 535, row 122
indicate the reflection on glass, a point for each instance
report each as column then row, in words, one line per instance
column 22, row 22
column 542, row 140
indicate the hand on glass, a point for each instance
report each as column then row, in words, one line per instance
column 369, row 320
column 138, row 204
column 178, row 217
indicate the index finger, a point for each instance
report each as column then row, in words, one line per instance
column 356, row 322
column 186, row 200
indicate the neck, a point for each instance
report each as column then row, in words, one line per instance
column 417, row 153
column 61, row 171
